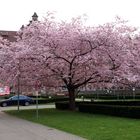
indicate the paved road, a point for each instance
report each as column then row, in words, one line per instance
column 26, row 107
column 12, row 128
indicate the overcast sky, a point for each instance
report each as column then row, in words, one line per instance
column 14, row 13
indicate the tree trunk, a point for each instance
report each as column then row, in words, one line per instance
column 72, row 99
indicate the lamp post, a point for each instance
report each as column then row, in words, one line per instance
column 18, row 85
column 133, row 92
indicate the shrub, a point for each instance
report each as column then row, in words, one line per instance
column 117, row 110
column 51, row 100
column 122, row 103
column 62, row 105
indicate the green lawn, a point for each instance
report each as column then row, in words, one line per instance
column 92, row 127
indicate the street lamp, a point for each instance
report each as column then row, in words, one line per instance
column 18, row 84
column 133, row 92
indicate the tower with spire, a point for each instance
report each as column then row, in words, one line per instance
column 35, row 17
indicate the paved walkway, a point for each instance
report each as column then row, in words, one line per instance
column 12, row 128
column 27, row 107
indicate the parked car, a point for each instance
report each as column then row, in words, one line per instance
column 23, row 100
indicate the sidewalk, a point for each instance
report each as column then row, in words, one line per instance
column 27, row 107
column 12, row 128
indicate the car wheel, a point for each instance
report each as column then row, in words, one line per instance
column 4, row 104
column 27, row 103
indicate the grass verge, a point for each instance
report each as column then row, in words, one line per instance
column 92, row 127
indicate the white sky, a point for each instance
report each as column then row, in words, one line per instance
column 14, row 13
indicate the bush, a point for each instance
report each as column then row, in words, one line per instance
column 65, row 105
column 62, row 105
column 51, row 100
column 122, row 103
column 123, row 111
column 116, row 108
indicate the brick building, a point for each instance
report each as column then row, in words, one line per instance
column 9, row 35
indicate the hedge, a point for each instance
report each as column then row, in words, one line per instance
column 65, row 105
column 107, row 97
column 51, row 100
column 62, row 105
column 124, row 109
column 116, row 110
column 122, row 103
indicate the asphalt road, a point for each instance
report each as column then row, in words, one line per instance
column 26, row 107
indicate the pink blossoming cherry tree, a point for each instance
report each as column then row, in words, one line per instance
column 71, row 54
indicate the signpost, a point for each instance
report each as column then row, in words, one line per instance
column 37, row 104
column 36, row 92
